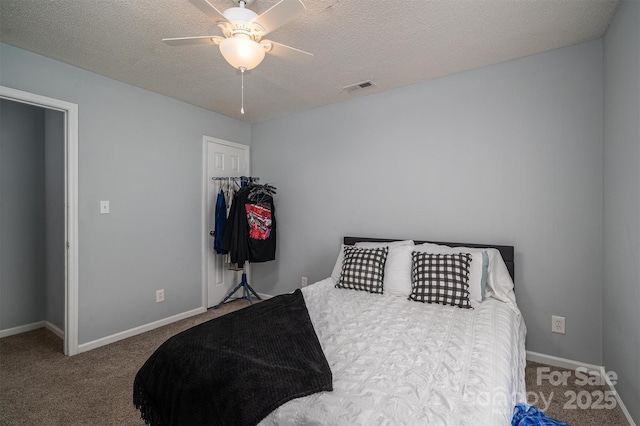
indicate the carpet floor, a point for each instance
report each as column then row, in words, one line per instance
column 41, row 386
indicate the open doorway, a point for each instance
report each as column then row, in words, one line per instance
column 48, row 183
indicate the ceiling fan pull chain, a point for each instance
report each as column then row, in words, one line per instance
column 242, row 69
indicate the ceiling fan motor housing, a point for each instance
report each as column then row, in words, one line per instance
column 239, row 2
column 234, row 14
column 239, row 22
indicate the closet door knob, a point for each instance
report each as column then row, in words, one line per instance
column 211, row 232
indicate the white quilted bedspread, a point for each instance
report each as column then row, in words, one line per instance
column 398, row 362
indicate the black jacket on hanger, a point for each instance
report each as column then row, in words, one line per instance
column 250, row 233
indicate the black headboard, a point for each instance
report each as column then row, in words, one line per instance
column 507, row 252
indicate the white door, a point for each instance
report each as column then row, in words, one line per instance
column 224, row 159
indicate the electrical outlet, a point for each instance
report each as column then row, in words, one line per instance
column 160, row 295
column 303, row 282
column 557, row 324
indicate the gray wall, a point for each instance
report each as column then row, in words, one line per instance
column 55, row 217
column 143, row 153
column 507, row 154
column 621, row 288
column 22, row 218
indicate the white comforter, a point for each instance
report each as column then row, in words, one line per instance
column 398, row 362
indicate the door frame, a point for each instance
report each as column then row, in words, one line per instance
column 70, row 111
column 204, row 226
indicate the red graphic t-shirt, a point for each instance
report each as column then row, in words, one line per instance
column 259, row 219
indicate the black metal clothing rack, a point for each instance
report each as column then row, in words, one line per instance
column 248, row 290
column 244, row 284
column 247, row 179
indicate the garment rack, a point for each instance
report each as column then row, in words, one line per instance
column 248, row 179
column 247, row 291
column 244, row 284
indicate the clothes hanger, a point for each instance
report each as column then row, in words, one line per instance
column 260, row 193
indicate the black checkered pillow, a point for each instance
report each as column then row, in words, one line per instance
column 363, row 269
column 441, row 278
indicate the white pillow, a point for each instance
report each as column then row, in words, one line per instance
column 375, row 244
column 475, row 269
column 499, row 282
column 337, row 268
column 397, row 270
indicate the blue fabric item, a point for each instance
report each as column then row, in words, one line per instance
column 528, row 415
column 485, row 273
column 221, row 222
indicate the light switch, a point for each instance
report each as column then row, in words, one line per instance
column 104, row 207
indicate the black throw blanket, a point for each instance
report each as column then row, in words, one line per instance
column 235, row 369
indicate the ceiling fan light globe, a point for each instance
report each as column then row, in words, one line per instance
column 242, row 52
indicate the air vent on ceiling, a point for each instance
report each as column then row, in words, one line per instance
column 358, row 86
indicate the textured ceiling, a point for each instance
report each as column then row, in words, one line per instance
column 393, row 43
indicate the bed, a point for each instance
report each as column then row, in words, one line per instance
column 399, row 361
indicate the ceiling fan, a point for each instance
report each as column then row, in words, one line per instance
column 242, row 45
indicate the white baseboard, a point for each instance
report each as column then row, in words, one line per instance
column 144, row 328
column 623, row 407
column 137, row 330
column 591, row 368
column 54, row 329
column 30, row 327
column 21, row 329
column 561, row 362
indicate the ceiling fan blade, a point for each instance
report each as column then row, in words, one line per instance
column 185, row 41
column 287, row 52
column 279, row 14
column 210, row 10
